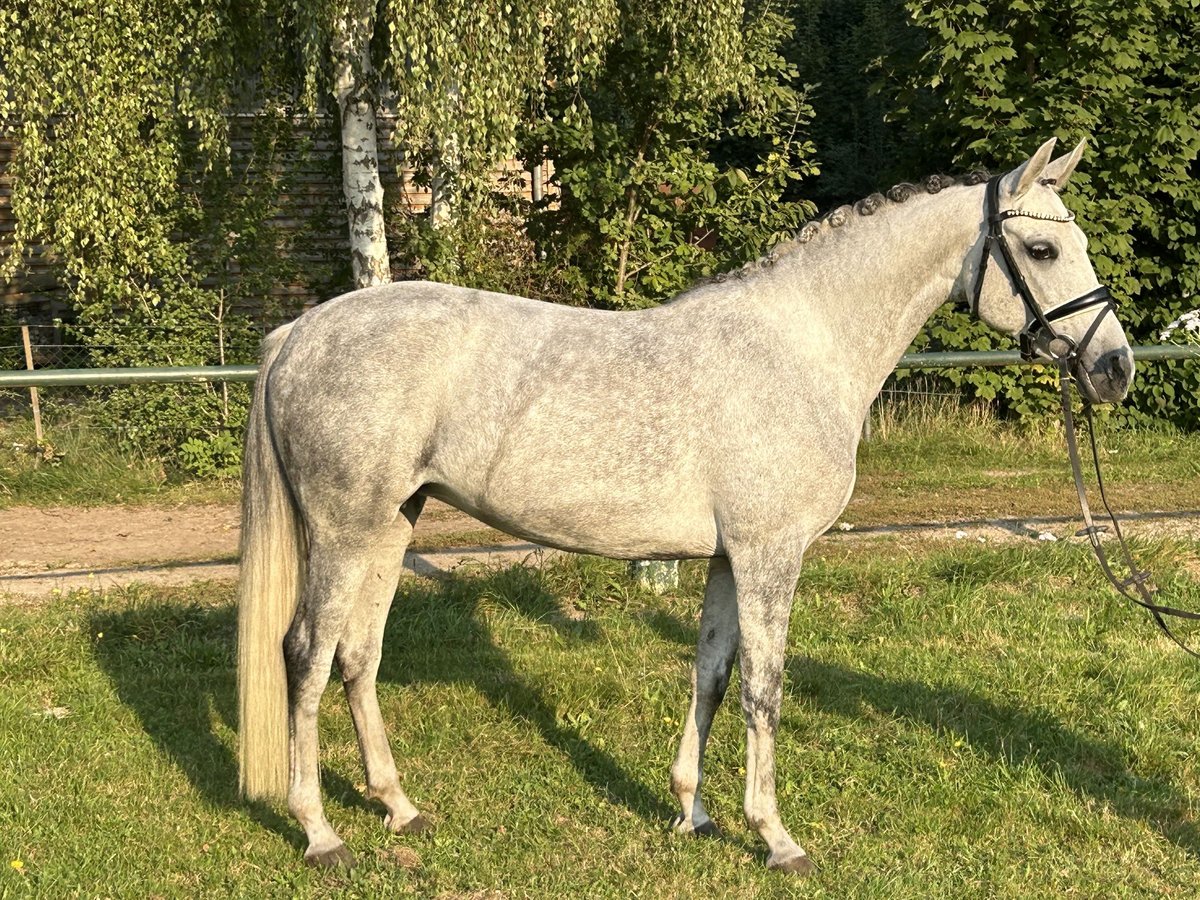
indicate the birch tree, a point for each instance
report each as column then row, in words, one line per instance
column 462, row 74
column 354, row 88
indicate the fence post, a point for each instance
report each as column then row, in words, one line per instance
column 535, row 183
column 655, row 575
column 33, row 392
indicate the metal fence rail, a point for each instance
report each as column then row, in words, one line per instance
column 202, row 374
column 142, row 375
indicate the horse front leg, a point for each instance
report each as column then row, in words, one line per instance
column 715, row 651
column 766, row 584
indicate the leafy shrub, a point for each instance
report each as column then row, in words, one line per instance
column 1126, row 76
column 486, row 246
column 219, row 456
column 660, row 175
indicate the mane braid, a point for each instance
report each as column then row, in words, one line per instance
column 842, row 215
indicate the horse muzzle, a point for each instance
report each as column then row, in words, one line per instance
column 1099, row 359
column 1108, row 377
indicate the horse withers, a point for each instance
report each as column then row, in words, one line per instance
column 578, row 429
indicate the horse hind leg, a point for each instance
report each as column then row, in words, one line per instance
column 333, row 578
column 715, row 652
column 358, row 655
column 340, row 560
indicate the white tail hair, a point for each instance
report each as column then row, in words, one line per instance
column 272, row 576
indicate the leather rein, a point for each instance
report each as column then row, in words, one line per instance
column 1038, row 339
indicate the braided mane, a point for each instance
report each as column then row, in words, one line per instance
column 843, row 215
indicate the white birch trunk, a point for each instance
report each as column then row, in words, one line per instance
column 360, row 152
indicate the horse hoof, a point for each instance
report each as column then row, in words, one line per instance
column 792, row 865
column 416, row 825
column 338, row 857
column 707, row 828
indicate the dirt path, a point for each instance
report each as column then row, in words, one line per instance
column 36, row 540
column 57, row 538
column 66, row 548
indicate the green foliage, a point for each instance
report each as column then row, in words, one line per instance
column 123, row 168
column 1124, row 75
column 218, row 457
column 664, row 176
column 459, row 73
column 486, row 246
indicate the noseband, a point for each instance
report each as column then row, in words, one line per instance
column 1040, row 320
column 1136, row 587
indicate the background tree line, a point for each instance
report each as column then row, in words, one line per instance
column 686, row 139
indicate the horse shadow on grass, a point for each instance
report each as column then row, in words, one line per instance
column 1015, row 734
column 173, row 666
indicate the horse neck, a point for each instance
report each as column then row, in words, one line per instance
column 860, row 293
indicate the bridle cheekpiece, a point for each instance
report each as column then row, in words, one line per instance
column 1039, row 319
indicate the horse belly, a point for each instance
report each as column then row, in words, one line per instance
column 607, row 523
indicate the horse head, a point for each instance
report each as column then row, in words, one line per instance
column 1031, row 277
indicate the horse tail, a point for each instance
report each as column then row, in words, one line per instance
column 272, row 576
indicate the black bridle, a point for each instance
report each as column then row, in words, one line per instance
column 1038, row 320
column 1137, row 586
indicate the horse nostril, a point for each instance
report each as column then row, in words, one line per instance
column 1120, row 369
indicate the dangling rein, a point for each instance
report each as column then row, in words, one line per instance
column 1137, row 588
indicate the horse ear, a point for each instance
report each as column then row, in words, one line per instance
column 1025, row 177
column 1059, row 171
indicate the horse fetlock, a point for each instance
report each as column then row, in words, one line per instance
column 762, row 822
column 697, row 823
column 401, row 817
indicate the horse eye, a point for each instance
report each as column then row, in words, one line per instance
column 1042, row 251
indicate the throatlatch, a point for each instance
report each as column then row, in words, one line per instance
column 1037, row 338
column 1039, row 319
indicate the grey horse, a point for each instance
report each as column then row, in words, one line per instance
column 722, row 425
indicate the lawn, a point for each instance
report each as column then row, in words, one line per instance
column 939, row 461
column 959, row 721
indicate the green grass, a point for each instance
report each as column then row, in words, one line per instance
column 968, row 722
column 87, row 468
column 940, row 461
